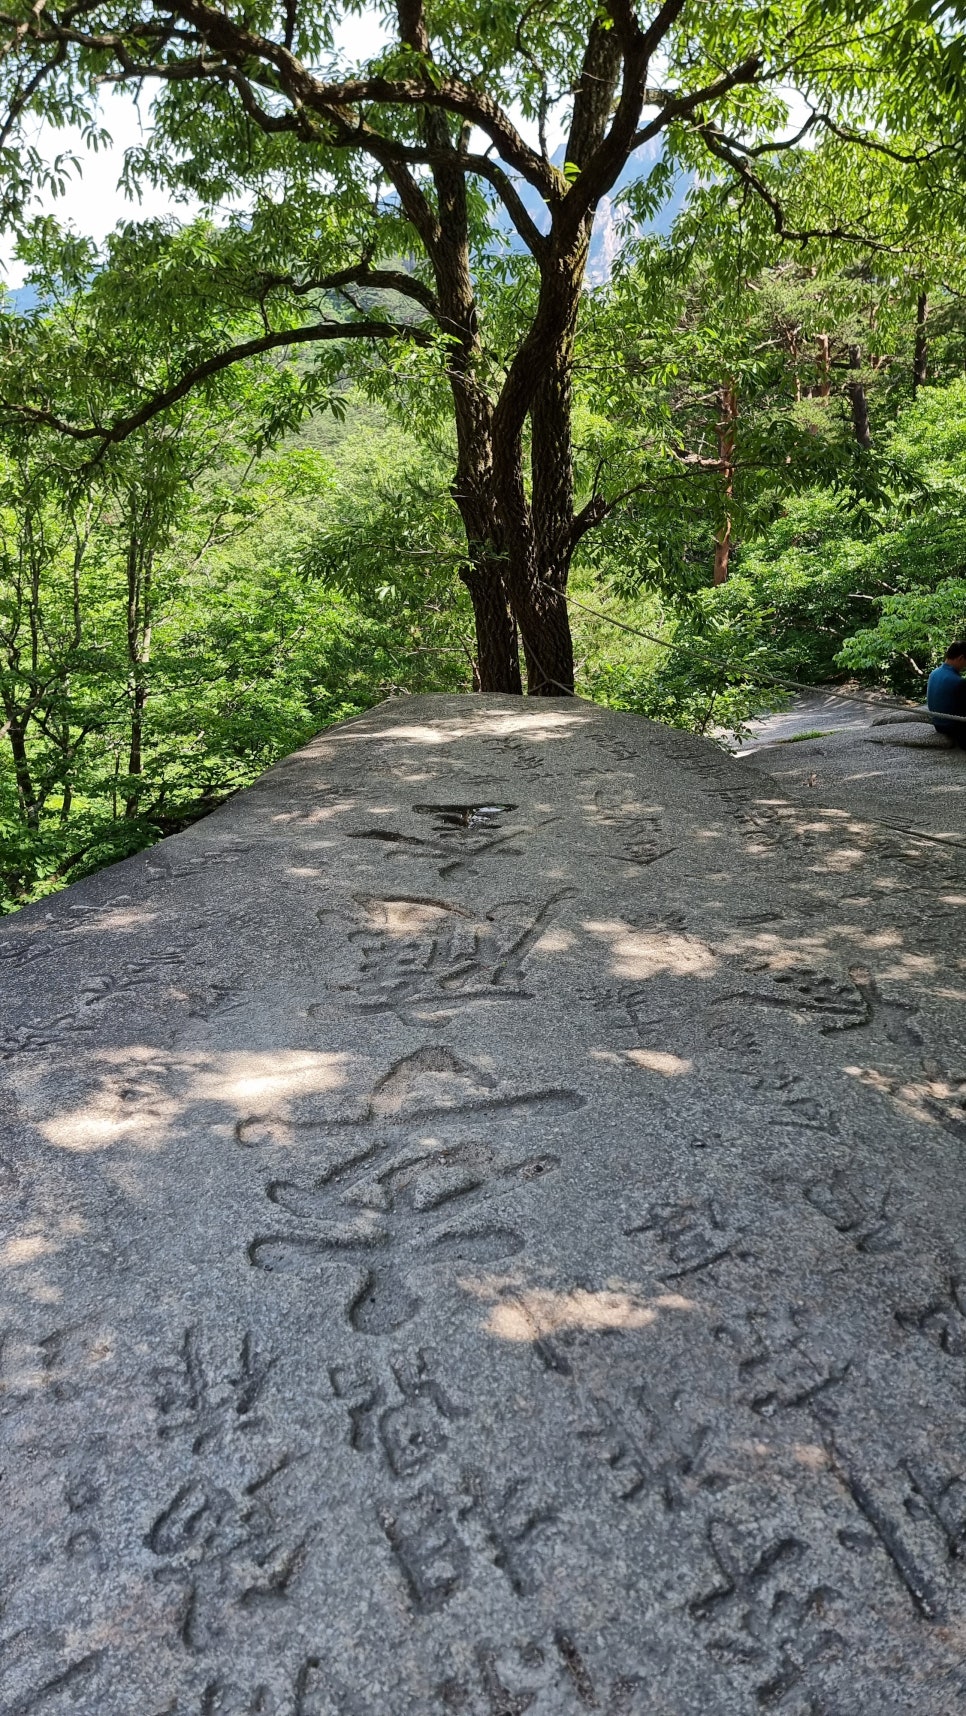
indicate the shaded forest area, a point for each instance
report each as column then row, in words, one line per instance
column 258, row 471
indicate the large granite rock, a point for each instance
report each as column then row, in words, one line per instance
column 892, row 772
column 467, row 1262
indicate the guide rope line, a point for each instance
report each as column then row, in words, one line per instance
column 881, row 705
column 947, row 840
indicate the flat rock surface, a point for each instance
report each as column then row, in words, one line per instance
column 483, row 1261
column 896, row 772
column 819, row 711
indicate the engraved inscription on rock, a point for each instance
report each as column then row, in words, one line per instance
column 483, row 1236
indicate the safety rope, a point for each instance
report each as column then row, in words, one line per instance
column 756, row 677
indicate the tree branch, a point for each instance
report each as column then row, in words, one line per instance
column 913, row 158
column 23, row 96
column 409, row 154
column 122, row 427
column 726, row 149
column 499, row 178
column 452, row 94
column 681, row 106
column 360, row 274
column 597, row 509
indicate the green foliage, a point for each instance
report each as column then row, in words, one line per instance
column 280, row 547
column 835, row 585
column 266, row 624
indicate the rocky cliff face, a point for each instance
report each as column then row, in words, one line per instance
column 612, row 226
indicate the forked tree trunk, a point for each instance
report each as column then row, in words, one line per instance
column 538, row 533
column 518, row 548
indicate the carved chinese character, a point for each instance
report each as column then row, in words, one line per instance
column 650, row 1447
column 552, row 1678
column 387, row 1205
column 408, row 1433
column 694, row 1235
column 755, row 1616
column 781, row 1363
column 425, row 959
column 429, row 1550
column 193, row 1402
column 224, row 1549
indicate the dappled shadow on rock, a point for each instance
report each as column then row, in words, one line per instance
column 489, row 1263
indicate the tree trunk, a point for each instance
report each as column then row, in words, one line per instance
column 921, row 350
column 859, row 403
column 823, row 343
column 722, row 552
column 519, row 549
column 443, row 228
column 728, row 398
column 538, row 532
column 497, row 649
column 139, row 653
column 544, row 621
column 26, row 793
column 138, row 701
column 497, row 644
column 547, row 643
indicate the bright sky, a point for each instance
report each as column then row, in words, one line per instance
column 94, row 204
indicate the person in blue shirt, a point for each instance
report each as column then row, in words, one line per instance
column 946, row 693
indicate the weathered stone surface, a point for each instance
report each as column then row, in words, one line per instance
column 468, row 1267
column 917, row 735
column 898, row 773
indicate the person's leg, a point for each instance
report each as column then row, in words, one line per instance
column 951, row 730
